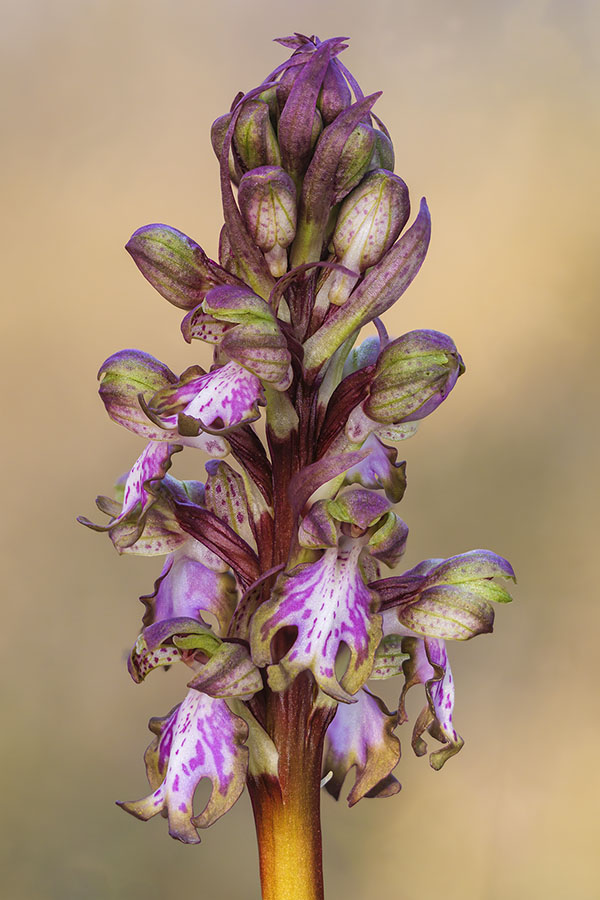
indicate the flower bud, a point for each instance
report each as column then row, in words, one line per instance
column 383, row 154
column 175, row 265
column 414, row 374
column 267, row 199
column 218, row 130
column 254, row 138
column 369, row 221
column 335, row 94
column 354, row 161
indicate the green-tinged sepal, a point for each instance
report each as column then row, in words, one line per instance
column 383, row 154
column 256, row 342
column 369, row 221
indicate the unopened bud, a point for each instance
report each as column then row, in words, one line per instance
column 254, row 138
column 218, row 130
column 335, row 94
column 369, row 221
column 354, row 161
column 383, row 155
column 267, row 198
column 414, row 374
column 175, row 265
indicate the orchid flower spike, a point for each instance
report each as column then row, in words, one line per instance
column 277, row 586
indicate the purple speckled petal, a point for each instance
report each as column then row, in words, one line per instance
column 330, row 604
column 428, row 664
column 222, row 399
column 138, row 498
column 201, row 739
column 361, row 736
column 193, row 580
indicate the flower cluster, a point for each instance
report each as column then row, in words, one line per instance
column 275, row 565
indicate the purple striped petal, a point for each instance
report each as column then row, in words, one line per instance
column 200, row 739
column 361, row 736
column 329, row 604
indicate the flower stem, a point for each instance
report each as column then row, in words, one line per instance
column 287, row 808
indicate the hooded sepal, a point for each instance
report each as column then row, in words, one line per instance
column 140, row 494
column 428, row 664
column 193, row 580
column 201, row 738
column 157, row 645
column 175, row 265
column 361, row 736
column 330, row 604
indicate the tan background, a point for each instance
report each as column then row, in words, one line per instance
column 493, row 109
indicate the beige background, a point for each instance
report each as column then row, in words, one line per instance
column 493, row 107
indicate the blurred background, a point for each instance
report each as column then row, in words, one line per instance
column 493, row 108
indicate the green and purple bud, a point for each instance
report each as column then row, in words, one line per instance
column 267, row 199
column 254, row 139
column 355, row 160
column 413, row 375
column 368, row 223
column 175, row 265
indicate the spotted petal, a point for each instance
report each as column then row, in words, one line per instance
column 200, row 739
column 329, row 604
column 361, row 736
column 428, row 664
